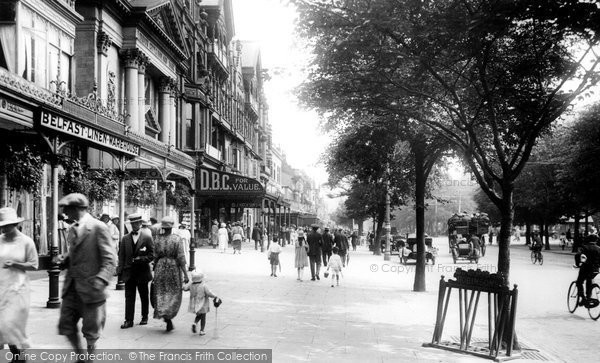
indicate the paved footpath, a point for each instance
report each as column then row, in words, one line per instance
column 372, row 317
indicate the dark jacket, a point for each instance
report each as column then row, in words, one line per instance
column 592, row 253
column 257, row 234
column 315, row 241
column 134, row 260
column 327, row 242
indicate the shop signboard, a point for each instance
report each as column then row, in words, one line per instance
column 88, row 133
column 215, row 182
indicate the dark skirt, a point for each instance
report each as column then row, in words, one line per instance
column 274, row 259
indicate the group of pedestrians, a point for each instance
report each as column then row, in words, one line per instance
column 146, row 255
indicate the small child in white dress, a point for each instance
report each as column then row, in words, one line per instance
column 199, row 300
column 335, row 265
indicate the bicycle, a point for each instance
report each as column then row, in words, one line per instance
column 592, row 304
column 536, row 256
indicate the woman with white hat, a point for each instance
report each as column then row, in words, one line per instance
column 301, row 258
column 223, row 237
column 17, row 255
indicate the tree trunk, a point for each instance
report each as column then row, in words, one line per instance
column 420, row 181
column 377, row 242
column 527, row 233
column 547, row 236
column 576, row 236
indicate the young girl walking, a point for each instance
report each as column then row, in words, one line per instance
column 199, row 300
column 273, row 256
column 335, row 265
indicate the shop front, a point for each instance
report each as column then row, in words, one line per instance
column 227, row 197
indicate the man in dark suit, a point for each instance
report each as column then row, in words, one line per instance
column 91, row 265
column 136, row 251
column 315, row 242
column 256, row 235
column 327, row 246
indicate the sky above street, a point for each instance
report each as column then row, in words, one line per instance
column 271, row 23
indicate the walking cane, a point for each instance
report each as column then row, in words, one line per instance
column 217, row 302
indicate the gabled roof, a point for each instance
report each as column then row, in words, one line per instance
column 161, row 15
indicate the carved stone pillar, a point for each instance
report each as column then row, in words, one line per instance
column 164, row 111
column 173, row 118
column 142, row 63
column 131, row 60
column 104, row 41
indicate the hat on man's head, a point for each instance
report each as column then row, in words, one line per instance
column 167, row 222
column 327, row 228
column 104, row 215
column 223, row 225
column 146, row 223
column 74, row 200
column 8, row 216
column 135, row 217
column 300, row 233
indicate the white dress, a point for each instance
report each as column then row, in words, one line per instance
column 14, row 290
column 223, row 238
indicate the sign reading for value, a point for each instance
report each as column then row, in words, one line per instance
column 88, row 133
column 220, row 182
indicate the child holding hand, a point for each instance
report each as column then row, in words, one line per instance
column 199, row 300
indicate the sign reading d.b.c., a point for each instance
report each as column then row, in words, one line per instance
column 213, row 182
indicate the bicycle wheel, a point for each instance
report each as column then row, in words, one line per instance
column 572, row 297
column 595, row 311
column 533, row 257
column 540, row 258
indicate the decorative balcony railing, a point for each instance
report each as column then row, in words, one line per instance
column 28, row 89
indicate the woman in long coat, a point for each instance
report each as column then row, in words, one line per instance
column 223, row 238
column 169, row 273
column 17, row 255
column 301, row 258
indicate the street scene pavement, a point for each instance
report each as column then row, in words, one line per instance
column 373, row 316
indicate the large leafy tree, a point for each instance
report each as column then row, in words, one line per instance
column 490, row 76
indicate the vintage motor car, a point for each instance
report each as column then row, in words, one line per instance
column 408, row 249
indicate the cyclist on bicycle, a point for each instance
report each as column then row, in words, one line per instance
column 588, row 260
column 537, row 242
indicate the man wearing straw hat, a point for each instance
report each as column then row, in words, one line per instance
column 91, row 265
column 135, row 254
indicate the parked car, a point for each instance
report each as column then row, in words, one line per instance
column 408, row 250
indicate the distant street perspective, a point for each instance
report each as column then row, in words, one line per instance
column 299, row 180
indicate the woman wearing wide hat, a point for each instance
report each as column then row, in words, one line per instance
column 169, row 273
column 17, row 255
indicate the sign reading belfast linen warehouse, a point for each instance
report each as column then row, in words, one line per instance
column 88, row 133
column 215, row 182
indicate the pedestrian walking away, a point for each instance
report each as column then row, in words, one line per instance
column 273, row 257
column 199, row 300
column 256, row 235
column 223, row 237
column 90, row 266
column 186, row 237
column 335, row 267
column 136, row 251
column 300, row 258
column 237, row 235
column 169, row 274
column 315, row 243
column 327, row 245
column 17, row 255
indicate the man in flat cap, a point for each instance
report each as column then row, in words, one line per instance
column 91, row 264
column 135, row 254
